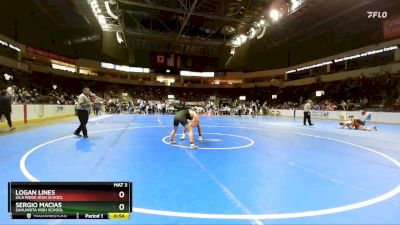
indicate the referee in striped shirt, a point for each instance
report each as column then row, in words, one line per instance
column 307, row 113
column 83, row 109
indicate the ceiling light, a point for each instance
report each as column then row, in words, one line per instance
column 7, row 77
column 233, row 51
column 120, row 38
column 274, row 14
column 102, row 20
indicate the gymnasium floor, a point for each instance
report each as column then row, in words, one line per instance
column 264, row 170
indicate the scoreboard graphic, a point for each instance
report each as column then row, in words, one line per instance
column 70, row 200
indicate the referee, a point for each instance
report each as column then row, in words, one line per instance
column 5, row 107
column 83, row 109
column 307, row 113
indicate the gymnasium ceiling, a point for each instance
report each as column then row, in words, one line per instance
column 188, row 26
column 191, row 27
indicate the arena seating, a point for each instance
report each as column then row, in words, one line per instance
column 381, row 92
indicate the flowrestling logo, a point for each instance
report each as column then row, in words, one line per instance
column 377, row 14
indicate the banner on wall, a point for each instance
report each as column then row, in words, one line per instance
column 171, row 61
column 320, row 114
column 178, row 62
column 391, row 28
column 49, row 54
column 160, row 59
column 167, row 61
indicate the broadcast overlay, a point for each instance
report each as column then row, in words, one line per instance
column 70, row 200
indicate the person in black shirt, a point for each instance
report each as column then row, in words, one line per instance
column 5, row 107
column 183, row 117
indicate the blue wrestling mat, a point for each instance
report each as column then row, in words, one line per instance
column 263, row 170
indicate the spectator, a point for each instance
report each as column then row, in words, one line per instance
column 97, row 107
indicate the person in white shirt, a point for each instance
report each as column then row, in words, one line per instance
column 83, row 109
column 307, row 113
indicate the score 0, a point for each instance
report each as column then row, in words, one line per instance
column 121, row 194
